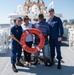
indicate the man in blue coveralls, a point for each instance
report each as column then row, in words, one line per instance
column 44, row 28
column 16, row 32
column 56, row 32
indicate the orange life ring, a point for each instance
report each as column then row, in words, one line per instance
column 36, row 32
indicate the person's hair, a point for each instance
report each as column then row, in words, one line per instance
column 26, row 18
column 41, row 16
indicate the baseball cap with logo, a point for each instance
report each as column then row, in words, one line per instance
column 19, row 18
column 51, row 9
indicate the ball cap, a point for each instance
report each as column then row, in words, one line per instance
column 19, row 18
column 51, row 9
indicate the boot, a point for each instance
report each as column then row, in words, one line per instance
column 14, row 68
column 18, row 63
column 45, row 62
column 36, row 61
column 51, row 63
column 59, row 64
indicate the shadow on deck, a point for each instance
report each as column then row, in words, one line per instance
column 41, row 70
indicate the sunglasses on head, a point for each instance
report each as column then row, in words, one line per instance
column 26, row 18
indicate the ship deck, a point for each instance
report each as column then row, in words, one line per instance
column 40, row 69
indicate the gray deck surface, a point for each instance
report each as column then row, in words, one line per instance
column 67, row 65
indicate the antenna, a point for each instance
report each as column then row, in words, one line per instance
column 51, row 5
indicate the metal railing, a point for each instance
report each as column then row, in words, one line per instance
column 71, row 38
column 4, row 39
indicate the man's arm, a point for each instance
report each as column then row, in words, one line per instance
column 14, row 38
column 61, row 31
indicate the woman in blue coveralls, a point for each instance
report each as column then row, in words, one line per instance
column 56, row 32
column 44, row 28
column 29, row 39
column 16, row 32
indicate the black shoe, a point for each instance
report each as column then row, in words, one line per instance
column 51, row 63
column 36, row 62
column 19, row 64
column 59, row 64
column 46, row 64
column 14, row 68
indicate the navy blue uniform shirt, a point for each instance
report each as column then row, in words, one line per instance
column 56, row 27
column 44, row 28
column 17, row 32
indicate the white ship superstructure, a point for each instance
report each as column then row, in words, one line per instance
column 32, row 8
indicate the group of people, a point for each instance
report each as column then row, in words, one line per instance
column 52, row 31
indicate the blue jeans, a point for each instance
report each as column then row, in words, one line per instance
column 45, row 50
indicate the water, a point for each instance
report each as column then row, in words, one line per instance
column 4, row 25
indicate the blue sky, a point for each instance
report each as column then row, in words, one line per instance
column 66, row 7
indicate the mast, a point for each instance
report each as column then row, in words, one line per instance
column 38, row 1
column 28, row 1
column 42, row 1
